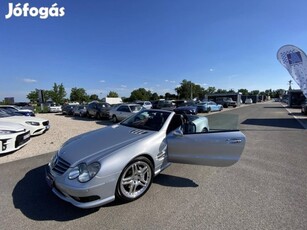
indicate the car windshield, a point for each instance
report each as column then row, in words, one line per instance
column 147, row 120
column 4, row 113
column 189, row 103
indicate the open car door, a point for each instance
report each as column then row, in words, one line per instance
column 212, row 149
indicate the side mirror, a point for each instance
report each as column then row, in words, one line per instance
column 178, row 132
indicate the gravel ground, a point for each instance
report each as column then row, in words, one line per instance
column 61, row 129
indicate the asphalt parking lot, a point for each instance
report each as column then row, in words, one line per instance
column 266, row 189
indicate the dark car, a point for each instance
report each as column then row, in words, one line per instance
column 226, row 102
column 68, row 109
column 165, row 104
column 304, row 107
column 186, row 108
column 15, row 110
column 80, row 110
column 98, row 110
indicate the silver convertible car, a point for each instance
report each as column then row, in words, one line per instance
column 120, row 161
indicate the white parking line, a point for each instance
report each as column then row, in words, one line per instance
column 300, row 118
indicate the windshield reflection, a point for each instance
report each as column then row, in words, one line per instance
column 147, row 119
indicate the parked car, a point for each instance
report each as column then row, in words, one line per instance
column 208, row 106
column 123, row 111
column 80, row 110
column 68, row 109
column 17, row 110
column 13, row 136
column 120, row 161
column 54, row 108
column 145, row 104
column 98, row 110
column 248, row 101
column 36, row 125
column 165, row 104
column 304, row 107
column 226, row 102
column 189, row 107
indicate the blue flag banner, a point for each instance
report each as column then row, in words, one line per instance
column 295, row 61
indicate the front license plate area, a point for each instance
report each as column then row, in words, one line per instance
column 49, row 178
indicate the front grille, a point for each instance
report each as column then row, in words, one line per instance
column 22, row 138
column 45, row 123
column 60, row 166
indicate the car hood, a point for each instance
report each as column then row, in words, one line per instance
column 100, row 143
column 22, row 119
column 10, row 126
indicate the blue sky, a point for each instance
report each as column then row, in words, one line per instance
column 122, row 45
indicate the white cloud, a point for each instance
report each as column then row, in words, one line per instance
column 27, row 80
column 169, row 81
column 211, row 70
column 123, row 86
column 102, row 81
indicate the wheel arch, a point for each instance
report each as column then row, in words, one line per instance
column 116, row 191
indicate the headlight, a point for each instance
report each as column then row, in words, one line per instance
column 32, row 123
column 53, row 161
column 84, row 172
column 7, row 131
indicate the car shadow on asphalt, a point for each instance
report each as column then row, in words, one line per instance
column 290, row 123
column 174, row 181
column 34, row 199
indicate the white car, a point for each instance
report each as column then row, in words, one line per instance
column 36, row 125
column 12, row 137
column 249, row 101
column 145, row 104
column 53, row 108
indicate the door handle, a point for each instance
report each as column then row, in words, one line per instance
column 233, row 141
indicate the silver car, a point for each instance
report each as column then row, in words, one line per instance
column 123, row 111
column 120, row 161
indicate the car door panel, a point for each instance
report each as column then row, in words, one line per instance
column 219, row 149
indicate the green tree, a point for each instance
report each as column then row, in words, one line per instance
column 140, row 94
column 268, row 92
column 231, row 91
column 255, row 92
column 57, row 94
column 221, row 91
column 112, row 94
column 33, row 96
column 94, row 97
column 278, row 93
column 243, row 91
column 210, row 90
column 154, row 97
column 189, row 90
column 169, row 96
column 78, row 95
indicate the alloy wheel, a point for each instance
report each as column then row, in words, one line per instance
column 135, row 180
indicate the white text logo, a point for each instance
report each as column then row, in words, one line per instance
column 42, row 12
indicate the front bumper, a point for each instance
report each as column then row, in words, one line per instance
column 90, row 196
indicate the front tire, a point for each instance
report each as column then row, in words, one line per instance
column 114, row 119
column 135, row 179
column 98, row 116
